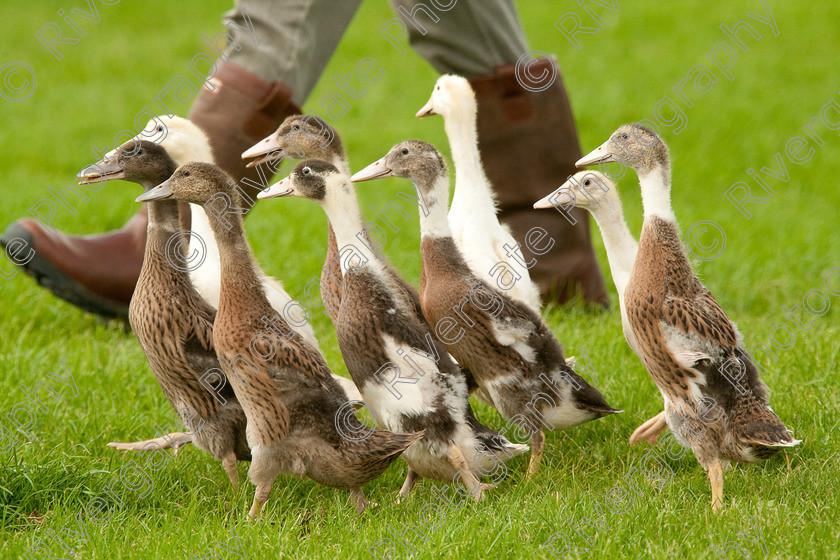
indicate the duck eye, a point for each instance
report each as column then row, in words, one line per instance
column 160, row 128
column 139, row 152
column 404, row 151
column 586, row 182
column 186, row 173
column 625, row 136
column 296, row 127
column 306, row 171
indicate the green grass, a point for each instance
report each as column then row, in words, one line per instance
column 619, row 75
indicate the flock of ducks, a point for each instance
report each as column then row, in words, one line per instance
column 415, row 357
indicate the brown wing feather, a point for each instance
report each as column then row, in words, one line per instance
column 701, row 315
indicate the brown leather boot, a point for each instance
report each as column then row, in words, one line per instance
column 98, row 273
column 529, row 145
column 238, row 113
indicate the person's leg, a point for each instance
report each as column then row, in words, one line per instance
column 266, row 74
column 277, row 51
column 527, row 135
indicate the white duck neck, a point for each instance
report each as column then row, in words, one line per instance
column 656, row 193
column 436, row 223
column 342, row 209
column 618, row 241
column 472, row 189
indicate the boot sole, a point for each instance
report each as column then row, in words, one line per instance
column 61, row 285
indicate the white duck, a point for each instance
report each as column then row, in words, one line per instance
column 476, row 229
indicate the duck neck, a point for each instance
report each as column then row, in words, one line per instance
column 618, row 241
column 342, row 210
column 656, row 193
column 163, row 216
column 237, row 262
column 472, row 189
column 433, row 221
column 163, row 224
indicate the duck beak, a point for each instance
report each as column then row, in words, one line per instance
column 376, row 170
column 561, row 197
column 267, row 149
column 598, row 155
column 428, row 109
column 280, row 188
column 99, row 172
column 160, row 192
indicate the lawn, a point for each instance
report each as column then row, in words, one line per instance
column 63, row 493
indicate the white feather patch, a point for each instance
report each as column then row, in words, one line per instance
column 516, row 337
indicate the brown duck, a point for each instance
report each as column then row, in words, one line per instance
column 299, row 418
column 715, row 402
column 407, row 379
column 515, row 358
column 173, row 324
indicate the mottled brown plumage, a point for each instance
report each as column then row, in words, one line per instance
column 291, row 400
column 511, row 352
column 173, row 324
column 715, row 402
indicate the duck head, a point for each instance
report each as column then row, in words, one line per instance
column 138, row 161
column 300, row 136
column 415, row 160
column 195, row 182
column 632, row 145
column 585, row 189
column 313, row 179
column 451, row 93
column 182, row 138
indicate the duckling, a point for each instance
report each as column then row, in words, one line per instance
column 173, row 324
column 476, row 230
column 407, row 380
column 690, row 347
column 294, row 406
column 511, row 352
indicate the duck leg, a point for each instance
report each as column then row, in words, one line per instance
column 650, row 430
column 229, row 463
column 260, row 498
column 716, row 480
column 468, row 479
column 358, row 496
column 265, row 466
column 537, row 446
column 410, row 480
column 174, row 440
